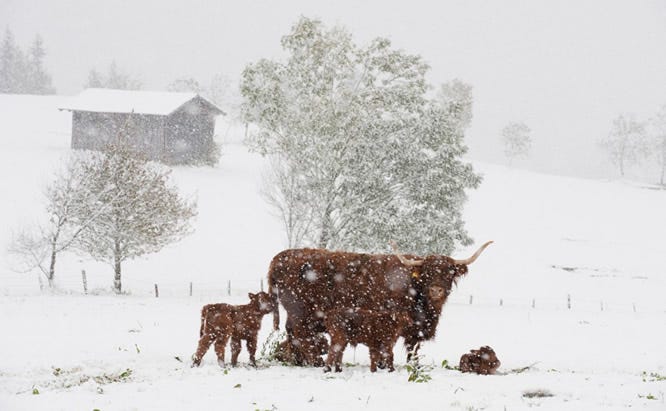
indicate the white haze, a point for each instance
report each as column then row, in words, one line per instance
column 565, row 68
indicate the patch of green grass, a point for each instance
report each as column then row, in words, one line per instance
column 445, row 365
column 653, row 376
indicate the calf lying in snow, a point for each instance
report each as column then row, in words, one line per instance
column 379, row 330
column 481, row 361
column 219, row 322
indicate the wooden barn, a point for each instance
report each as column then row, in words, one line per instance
column 174, row 128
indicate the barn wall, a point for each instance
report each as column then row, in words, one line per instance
column 92, row 131
column 189, row 134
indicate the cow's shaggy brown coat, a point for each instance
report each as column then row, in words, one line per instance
column 310, row 282
column 220, row 322
column 378, row 330
column 481, row 361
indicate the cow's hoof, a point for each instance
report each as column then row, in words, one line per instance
column 327, row 369
column 338, row 369
column 221, row 363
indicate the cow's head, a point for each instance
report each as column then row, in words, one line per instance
column 438, row 273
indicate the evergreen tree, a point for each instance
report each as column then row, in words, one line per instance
column 114, row 79
column 185, row 84
column 368, row 156
column 39, row 80
column 11, row 65
column 94, row 80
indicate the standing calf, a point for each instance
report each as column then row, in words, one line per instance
column 219, row 322
column 379, row 330
column 481, row 361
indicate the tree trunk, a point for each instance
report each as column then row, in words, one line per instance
column 622, row 167
column 325, row 235
column 51, row 276
column 117, row 286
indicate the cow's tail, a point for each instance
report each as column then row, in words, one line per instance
column 273, row 291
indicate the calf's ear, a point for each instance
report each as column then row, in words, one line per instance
column 251, row 296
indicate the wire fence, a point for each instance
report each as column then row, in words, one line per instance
column 222, row 289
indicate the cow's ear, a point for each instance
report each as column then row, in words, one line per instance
column 251, row 296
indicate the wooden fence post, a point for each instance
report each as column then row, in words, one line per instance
column 157, row 292
column 85, row 281
column 533, row 302
column 261, row 284
column 470, row 299
column 569, row 301
column 190, row 288
column 229, row 287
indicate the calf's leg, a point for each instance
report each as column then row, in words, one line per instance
column 220, row 346
column 252, row 349
column 235, row 350
column 204, row 343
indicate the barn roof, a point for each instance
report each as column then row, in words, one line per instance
column 161, row 103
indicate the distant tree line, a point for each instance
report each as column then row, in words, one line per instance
column 23, row 72
column 114, row 78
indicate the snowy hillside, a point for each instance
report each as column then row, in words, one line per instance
column 594, row 245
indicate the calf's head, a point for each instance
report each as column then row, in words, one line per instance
column 262, row 302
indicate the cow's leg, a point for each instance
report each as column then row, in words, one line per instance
column 251, row 345
column 332, row 355
column 235, row 350
column 220, row 346
column 204, row 343
column 388, row 359
column 374, row 358
column 339, row 351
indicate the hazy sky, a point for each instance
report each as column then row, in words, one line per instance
column 565, row 68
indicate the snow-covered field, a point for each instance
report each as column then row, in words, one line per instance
column 598, row 244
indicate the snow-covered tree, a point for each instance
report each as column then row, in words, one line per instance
column 185, row 84
column 225, row 93
column 39, row 81
column 12, row 65
column 456, row 96
column 516, row 139
column 658, row 124
column 361, row 156
column 115, row 78
column 95, row 80
column 39, row 248
column 23, row 73
column 626, row 142
column 136, row 209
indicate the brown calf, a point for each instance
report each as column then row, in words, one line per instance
column 481, row 361
column 219, row 322
column 379, row 330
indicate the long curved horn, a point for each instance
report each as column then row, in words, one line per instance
column 474, row 257
column 404, row 260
